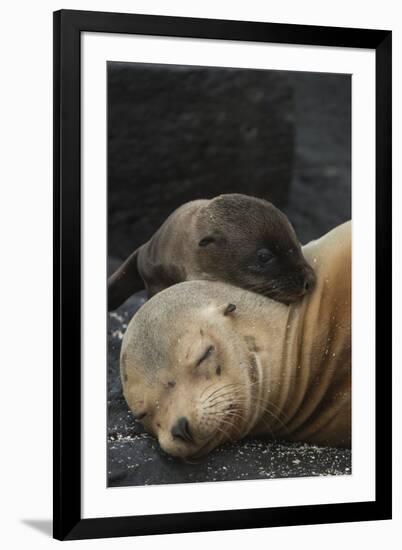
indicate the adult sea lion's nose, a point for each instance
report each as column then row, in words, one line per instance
column 181, row 430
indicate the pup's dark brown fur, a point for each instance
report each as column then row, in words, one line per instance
column 233, row 238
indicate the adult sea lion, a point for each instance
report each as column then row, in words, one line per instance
column 233, row 238
column 205, row 362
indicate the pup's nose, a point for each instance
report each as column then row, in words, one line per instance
column 181, row 430
column 309, row 281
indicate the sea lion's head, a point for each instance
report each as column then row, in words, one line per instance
column 186, row 374
column 248, row 242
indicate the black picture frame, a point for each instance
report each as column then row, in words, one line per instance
column 68, row 26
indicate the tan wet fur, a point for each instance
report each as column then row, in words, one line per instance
column 206, row 362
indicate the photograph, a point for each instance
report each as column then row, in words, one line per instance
column 222, row 358
column 229, row 253
column 200, row 285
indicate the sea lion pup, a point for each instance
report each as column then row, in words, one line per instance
column 205, row 362
column 233, row 238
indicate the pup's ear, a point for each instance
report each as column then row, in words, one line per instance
column 227, row 310
column 124, row 282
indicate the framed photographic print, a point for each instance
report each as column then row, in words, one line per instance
column 222, row 270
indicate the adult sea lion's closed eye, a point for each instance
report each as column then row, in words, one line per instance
column 205, row 355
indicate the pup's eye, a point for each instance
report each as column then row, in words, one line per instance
column 205, row 241
column 205, row 355
column 264, row 255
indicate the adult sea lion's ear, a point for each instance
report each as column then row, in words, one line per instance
column 124, row 282
column 227, row 309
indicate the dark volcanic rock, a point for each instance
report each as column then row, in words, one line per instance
column 320, row 197
column 180, row 133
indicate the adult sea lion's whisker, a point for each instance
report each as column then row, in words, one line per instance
column 261, row 401
column 233, row 392
column 228, row 415
column 266, row 410
column 224, row 433
column 224, row 399
column 216, row 404
column 231, row 425
column 220, row 389
column 285, row 416
column 207, row 388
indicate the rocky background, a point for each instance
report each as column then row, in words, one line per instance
column 181, row 133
